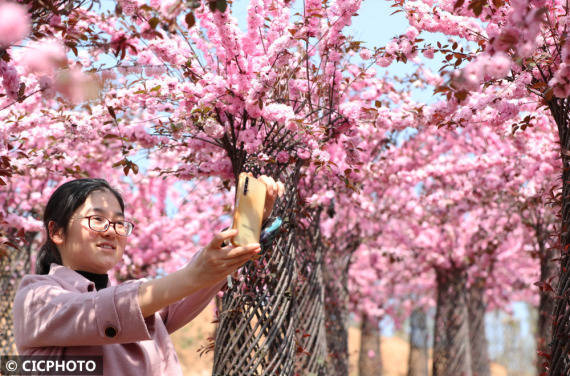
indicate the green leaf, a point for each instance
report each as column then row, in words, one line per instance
column 156, row 88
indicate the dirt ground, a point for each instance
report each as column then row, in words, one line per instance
column 190, row 339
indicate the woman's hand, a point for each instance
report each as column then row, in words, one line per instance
column 275, row 189
column 217, row 260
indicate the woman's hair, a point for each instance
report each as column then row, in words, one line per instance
column 59, row 209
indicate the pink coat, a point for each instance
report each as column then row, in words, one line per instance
column 61, row 313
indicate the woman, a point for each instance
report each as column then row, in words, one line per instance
column 68, row 308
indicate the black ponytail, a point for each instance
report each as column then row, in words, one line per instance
column 47, row 255
column 66, row 199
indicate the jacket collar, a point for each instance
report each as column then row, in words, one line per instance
column 71, row 278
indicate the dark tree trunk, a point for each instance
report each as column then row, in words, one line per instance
column 335, row 273
column 418, row 359
column 370, row 357
column 336, row 322
column 451, row 348
column 478, row 340
column 560, row 355
column 548, row 273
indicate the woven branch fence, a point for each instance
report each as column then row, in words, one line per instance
column 13, row 265
column 272, row 320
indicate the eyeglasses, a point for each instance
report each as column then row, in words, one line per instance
column 101, row 224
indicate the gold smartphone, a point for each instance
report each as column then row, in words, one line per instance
column 248, row 212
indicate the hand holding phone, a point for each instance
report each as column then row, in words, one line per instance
column 248, row 212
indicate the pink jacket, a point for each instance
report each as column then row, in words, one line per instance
column 61, row 313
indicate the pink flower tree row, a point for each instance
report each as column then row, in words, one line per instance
column 509, row 59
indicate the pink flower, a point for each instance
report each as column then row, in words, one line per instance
column 561, row 91
column 384, row 61
column 304, row 154
column 365, row 54
column 525, row 49
column 322, row 155
column 510, row 37
column 412, row 33
column 43, row 58
column 278, row 112
column 46, row 86
column 129, row 7
column 147, row 57
column 283, row 157
column 11, row 80
column 499, row 65
column 75, row 85
column 392, row 47
column 55, row 20
column 14, row 23
column 213, row 129
column 429, row 53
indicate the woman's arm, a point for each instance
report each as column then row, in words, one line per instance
column 210, row 266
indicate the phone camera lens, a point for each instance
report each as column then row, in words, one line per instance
column 245, row 185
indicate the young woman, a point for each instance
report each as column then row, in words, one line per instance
column 68, row 308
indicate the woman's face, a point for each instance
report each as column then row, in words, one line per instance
column 84, row 249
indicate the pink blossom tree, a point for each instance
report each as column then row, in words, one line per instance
column 464, row 222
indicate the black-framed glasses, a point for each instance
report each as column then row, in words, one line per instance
column 101, row 224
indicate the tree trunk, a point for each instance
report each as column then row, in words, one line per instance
column 451, row 348
column 418, row 359
column 560, row 355
column 335, row 272
column 336, row 311
column 478, row 340
column 370, row 357
column 548, row 272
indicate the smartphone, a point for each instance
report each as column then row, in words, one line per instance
column 248, row 212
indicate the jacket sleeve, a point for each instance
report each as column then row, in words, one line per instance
column 46, row 314
column 178, row 314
